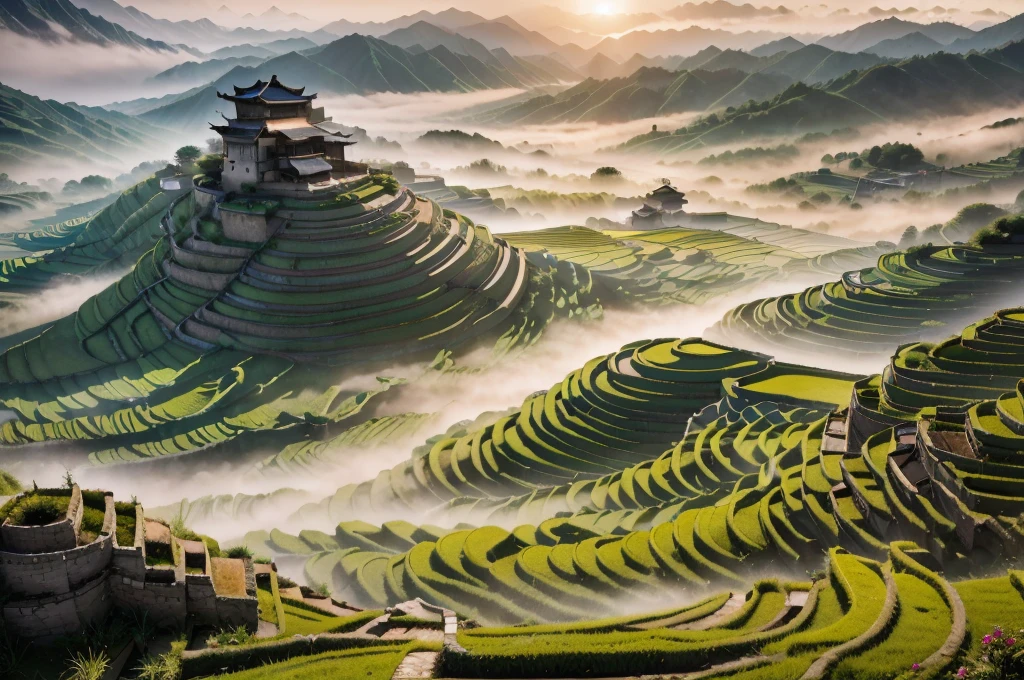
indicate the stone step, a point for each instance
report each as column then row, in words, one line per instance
column 416, row 665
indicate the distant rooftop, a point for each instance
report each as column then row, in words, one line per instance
column 273, row 92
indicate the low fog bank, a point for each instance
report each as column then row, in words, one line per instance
column 51, row 303
column 571, row 152
column 81, row 72
column 455, row 398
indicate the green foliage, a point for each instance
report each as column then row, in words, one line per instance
column 605, row 173
column 239, row 551
column 752, row 155
column 39, row 510
column 87, row 666
column 895, row 156
column 231, row 636
column 187, row 155
column 164, row 667
column 1002, row 231
column 9, row 484
column 1001, row 657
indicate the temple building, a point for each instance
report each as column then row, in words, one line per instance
column 277, row 136
column 667, row 198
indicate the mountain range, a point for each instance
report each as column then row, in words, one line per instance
column 864, row 37
column 358, row 64
column 57, row 21
column 648, row 92
column 720, row 9
column 920, row 88
column 711, row 79
column 32, row 129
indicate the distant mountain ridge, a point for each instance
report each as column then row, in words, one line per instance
column 41, row 19
column 203, row 34
column 46, row 130
column 932, row 86
column 359, row 64
column 712, row 78
column 869, row 35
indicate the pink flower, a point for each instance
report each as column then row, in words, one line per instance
column 1010, row 642
column 962, row 673
column 916, row 667
column 998, row 632
column 986, row 640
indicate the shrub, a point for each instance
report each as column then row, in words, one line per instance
column 1003, row 230
column 37, row 510
column 240, row 551
column 228, row 637
column 9, row 485
column 821, row 198
column 606, row 172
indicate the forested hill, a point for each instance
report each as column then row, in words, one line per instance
column 937, row 85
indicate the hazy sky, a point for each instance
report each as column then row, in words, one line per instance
column 383, row 10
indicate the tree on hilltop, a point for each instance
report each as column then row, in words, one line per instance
column 606, row 173
column 187, row 155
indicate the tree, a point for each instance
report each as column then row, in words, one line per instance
column 856, row 164
column 828, row 159
column 187, row 155
column 899, row 157
column 909, row 238
column 96, row 183
column 821, row 198
column 1019, row 204
column 874, row 155
column 90, row 184
column 214, row 145
column 654, row 128
column 1003, row 230
column 606, row 173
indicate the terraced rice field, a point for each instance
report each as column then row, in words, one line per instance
column 908, row 296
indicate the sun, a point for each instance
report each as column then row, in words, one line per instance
column 604, row 8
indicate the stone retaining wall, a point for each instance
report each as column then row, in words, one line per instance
column 165, row 604
column 62, row 614
column 54, row 573
column 238, row 611
column 60, row 535
column 202, row 599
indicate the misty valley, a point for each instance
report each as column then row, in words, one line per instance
column 626, row 339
